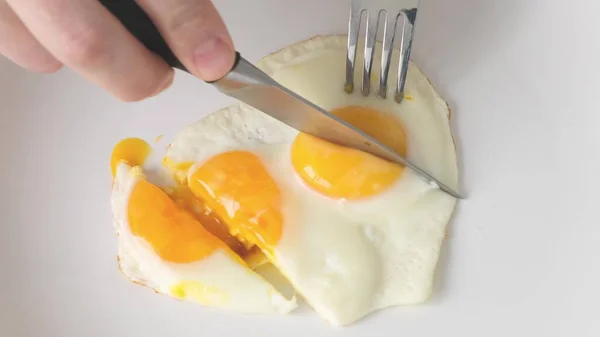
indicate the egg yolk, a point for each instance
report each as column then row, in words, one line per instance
column 342, row 172
column 178, row 225
column 237, row 187
column 134, row 151
column 174, row 234
column 183, row 197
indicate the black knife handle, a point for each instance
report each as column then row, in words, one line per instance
column 141, row 26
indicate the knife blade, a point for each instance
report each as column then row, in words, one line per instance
column 250, row 85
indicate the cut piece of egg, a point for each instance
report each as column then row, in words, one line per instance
column 351, row 232
column 163, row 244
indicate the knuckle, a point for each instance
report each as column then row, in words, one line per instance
column 184, row 21
column 85, row 48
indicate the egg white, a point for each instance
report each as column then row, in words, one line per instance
column 221, row 281
column 347, row 258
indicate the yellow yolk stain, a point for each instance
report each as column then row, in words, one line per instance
column 158, row 138
column 175, row 235
column 342, row 172
column 203, row 294
column 134, row 151
column 237, row 187
column 179, row 169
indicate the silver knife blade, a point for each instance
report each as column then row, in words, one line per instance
column 252, row 86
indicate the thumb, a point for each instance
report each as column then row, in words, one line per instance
column 196, row 33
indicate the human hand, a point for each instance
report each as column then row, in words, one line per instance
column 44, row 35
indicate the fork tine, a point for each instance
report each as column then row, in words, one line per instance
column 390, row 14
column 389, row 31
column 353, row 31
column 371, row 34
column 405, row 48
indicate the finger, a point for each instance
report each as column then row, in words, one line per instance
column 85, row 36
column 196, row 33
column 19, row 46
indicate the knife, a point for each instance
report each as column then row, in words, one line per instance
column 248, row 84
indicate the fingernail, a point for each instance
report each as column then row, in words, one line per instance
column 213, row 59
column 166, row 83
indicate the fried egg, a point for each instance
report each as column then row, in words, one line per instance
column 164, row 246
column 352, row 233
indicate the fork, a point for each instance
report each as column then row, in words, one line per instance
column 394, row 13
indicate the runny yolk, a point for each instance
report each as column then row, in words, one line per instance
column 185, row 199
column 342, row 172
column 237, row 187
column 183, row 196
column 133, row 151
column 178, row 225
column 174, row 234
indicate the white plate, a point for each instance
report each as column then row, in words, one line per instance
column 523, row 253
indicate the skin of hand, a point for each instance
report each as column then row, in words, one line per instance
column 44, row 35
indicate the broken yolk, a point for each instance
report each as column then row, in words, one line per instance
column 342, row 172
column 178, row 225
column 175, row 235
column 185, row 199
column 237, row 187
column 134, row 151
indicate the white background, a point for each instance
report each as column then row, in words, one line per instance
column 523, row 253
